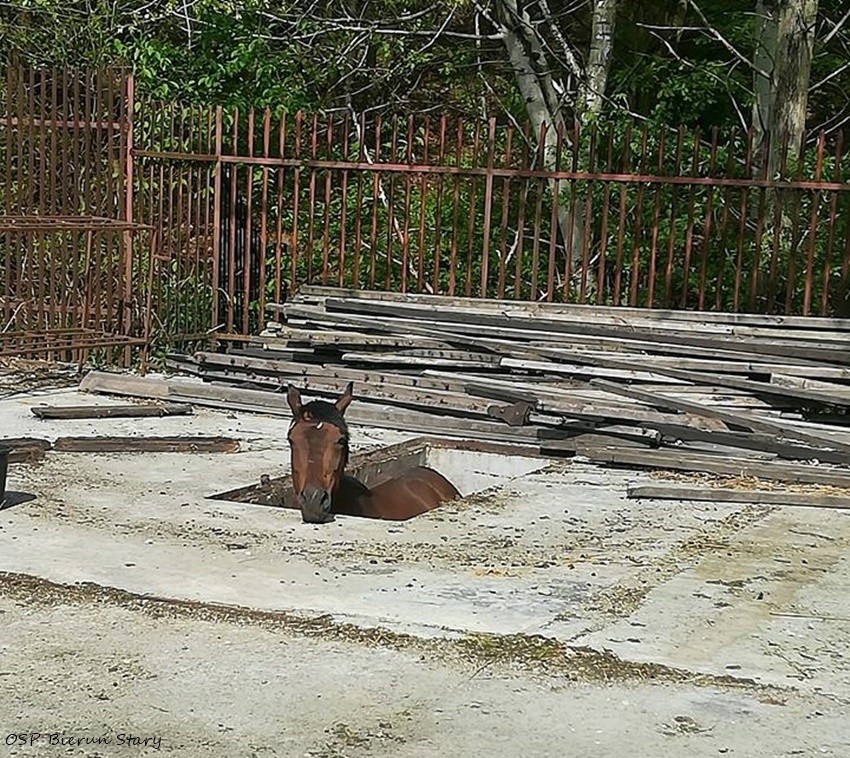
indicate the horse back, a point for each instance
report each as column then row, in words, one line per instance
column 416, row 491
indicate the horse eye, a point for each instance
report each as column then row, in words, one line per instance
column 341, row 441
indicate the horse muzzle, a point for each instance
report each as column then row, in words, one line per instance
column 315, row 505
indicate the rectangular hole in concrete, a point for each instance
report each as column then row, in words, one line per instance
column 470, row 466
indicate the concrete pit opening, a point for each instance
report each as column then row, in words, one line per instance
column 472, row 467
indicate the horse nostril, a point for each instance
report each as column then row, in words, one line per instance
column 326, row 500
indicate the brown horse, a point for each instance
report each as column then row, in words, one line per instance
column 318, row 439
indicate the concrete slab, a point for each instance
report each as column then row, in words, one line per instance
column 738, row 612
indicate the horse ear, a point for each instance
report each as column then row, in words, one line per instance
column 293, row 397
column 345, row 399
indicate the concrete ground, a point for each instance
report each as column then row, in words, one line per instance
column 547, row 616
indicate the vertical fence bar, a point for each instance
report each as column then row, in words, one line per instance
column 43, row 242
column 706, row 229
column 791, row 278
column 423, row 194
column 296, row 193
column 656, row 215
column 438, row 211
column 637, row 227
column 326, row 225
column 343, row 213
column 488, row 205
column 671, row 238
column 603, row 232
column 247, row 252
column 503, row 226
column 231, row 225
column 554, row 218
column 216, row 222
column 523, row 197
column 538, row 212
column 373, row 254
column 742, row 224
column 278, row 235
column 724, row 224
column 621, row 221
column 587, row 199
column 125, row 126
column 178, row 221
column 778, row 200
column 470, row 226
column 358, row 219
column 689, row 226
column 569, row 231
column 405, row 232
column 455, row 201
column 391, row 221
column 813, row 228
column 264, row 213
column 833, row 217
column 311, row 211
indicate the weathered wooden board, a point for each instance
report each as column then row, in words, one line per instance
column 68, row 412
column 664, row 459
column 621, row 314
column 146, row 445
column 725, row 495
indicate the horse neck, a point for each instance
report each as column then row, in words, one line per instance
column 351, row 497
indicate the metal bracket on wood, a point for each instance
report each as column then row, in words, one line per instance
column 515, row 414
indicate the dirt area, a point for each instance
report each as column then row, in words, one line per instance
column 548, row 616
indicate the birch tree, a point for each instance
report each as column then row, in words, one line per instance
column 785, row 36
column 544, row 61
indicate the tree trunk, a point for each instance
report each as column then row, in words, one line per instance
column 599, row 58
column 785, row 31
column 534, row 79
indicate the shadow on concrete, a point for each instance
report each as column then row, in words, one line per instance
column 15, row 498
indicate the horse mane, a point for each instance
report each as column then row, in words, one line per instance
column 319, row 410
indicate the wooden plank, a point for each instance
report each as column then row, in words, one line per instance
column 292, row 336
column 451, row 318
column 582, row 443
column 712, row 464
column 109, row 411
column 786, row 380
column 508, row 315
column 146, row 445
column 748, row 441
column 761, row 388
column 399, row 359
column 560, row 402
column 585, row 372
column 735, row 418
column 125, row 385
column 723, row 495
column 621, row 313
column 25, row 449
column 524, row 342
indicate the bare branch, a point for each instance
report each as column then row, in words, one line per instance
column 835, row 29
column 830, row 76
column 723, row 41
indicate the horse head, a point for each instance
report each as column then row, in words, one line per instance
column 318, row 441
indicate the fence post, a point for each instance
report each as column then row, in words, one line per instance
column 216, row 251
column 129, row 201
column 488, row 200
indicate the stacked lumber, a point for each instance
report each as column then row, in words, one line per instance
column 759, row 395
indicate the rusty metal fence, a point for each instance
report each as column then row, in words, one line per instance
column 118, row 210
column 249, row 205
column 73, row 260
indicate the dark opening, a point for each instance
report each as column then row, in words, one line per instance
column 471, row 466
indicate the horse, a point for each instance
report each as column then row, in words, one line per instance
column 318, row 441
